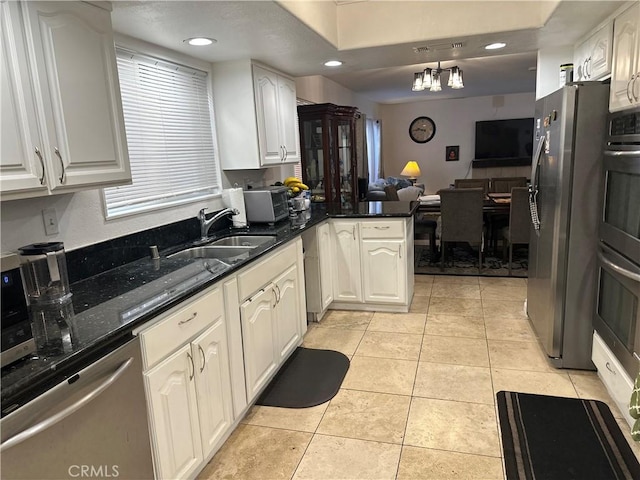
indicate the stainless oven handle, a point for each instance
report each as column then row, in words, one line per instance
column 622, row 153
column 618, row 269
column 62, row 414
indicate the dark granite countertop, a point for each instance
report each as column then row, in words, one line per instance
column 109, row 305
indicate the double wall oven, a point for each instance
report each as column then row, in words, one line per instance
column 617, row 316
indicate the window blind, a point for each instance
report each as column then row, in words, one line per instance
column 168, row 121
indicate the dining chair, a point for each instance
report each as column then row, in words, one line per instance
column 461, row 219
column 519, row 227
column 472, row 183
column 505, row 184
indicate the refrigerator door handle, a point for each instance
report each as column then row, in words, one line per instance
column 533, row 188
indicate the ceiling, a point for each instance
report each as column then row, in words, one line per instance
column 265, row 31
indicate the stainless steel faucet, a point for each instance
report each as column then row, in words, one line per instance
column 205, row 224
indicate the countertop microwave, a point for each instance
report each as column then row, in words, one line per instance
column 266, row 204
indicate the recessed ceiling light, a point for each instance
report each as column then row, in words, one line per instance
column 495, row 46
column 200, row 41
column 332, row 63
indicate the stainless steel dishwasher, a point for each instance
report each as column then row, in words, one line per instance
column 92, row 425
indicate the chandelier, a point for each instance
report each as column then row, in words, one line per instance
column 429, row 79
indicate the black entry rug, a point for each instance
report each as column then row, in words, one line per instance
column 549, row 438
column 463, row 260
column 308, row 378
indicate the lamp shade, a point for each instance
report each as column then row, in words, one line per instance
column 411, row 169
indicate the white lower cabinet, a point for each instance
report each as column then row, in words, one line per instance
column 175, row 429
column 384, row 271
column 188, row 384
column 347, row 281
column 273, row 317
column 372, row 263
column 287, row 312
column 259, row 339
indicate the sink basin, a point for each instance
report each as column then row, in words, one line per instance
column 225, row 253
column 250, row 241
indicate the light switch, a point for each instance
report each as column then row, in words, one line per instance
column 50, row 219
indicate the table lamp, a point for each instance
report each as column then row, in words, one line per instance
column 411, row 170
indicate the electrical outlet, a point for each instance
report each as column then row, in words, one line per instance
column 50, row 219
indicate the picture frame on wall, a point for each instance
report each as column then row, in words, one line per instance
column 453, row 153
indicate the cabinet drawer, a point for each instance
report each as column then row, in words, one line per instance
column 615, row 378
column 179, row 327
column 257, row 276
column 382, row 229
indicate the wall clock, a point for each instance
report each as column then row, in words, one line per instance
column 422, row 129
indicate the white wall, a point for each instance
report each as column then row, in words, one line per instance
column 455, row 125
column 548, row 68
column 319, row 89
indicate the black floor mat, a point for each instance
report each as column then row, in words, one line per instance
column 308, row 378
column 555, row 438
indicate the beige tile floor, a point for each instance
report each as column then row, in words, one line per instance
column 418, row 401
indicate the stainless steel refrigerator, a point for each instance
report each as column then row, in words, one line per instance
column 566, row 186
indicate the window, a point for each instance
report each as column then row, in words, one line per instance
column 373, row 149
column 168, row 119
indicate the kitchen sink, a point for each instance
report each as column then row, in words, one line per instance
column 250, row 241
column 224, row 253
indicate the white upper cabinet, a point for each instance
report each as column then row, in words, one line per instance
column 592, row 58
column 79, row 128
column 22, row 165
column 256, row 116
column 625, row 84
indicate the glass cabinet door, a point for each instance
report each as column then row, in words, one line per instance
column 314, row 173
column 345, row 164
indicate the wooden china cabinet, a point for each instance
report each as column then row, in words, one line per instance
column 327, row 139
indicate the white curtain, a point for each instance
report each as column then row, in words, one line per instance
column 373, row 150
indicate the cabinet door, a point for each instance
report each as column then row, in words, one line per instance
column 347, row 283
column 287, row 111
column 21, row 161
column 73, row 62
column 288, row 312
column 266, row 91
column 326, row 271
column 384, row 271
column 625, row 58
column 599, row 60
column 259, row 340
column 171, row 393
column 213, row 384
column 580, row 56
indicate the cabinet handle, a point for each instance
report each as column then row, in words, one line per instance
column 193, row 368
column 627, row 90
column 382, row 228
column 278, row 292
column 62, row 175
column 400, row 251
column 610, row 369
column 353, row 232
column 633, row 86
column 275, row 297
column 39, row 154
column 182, row 322
column 204, row 359
column 589, row 66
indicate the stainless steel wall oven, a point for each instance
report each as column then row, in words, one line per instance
column 617, row 316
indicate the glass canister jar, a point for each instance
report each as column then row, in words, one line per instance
column 44, row 272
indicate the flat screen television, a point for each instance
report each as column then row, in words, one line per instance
column 504, row 142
